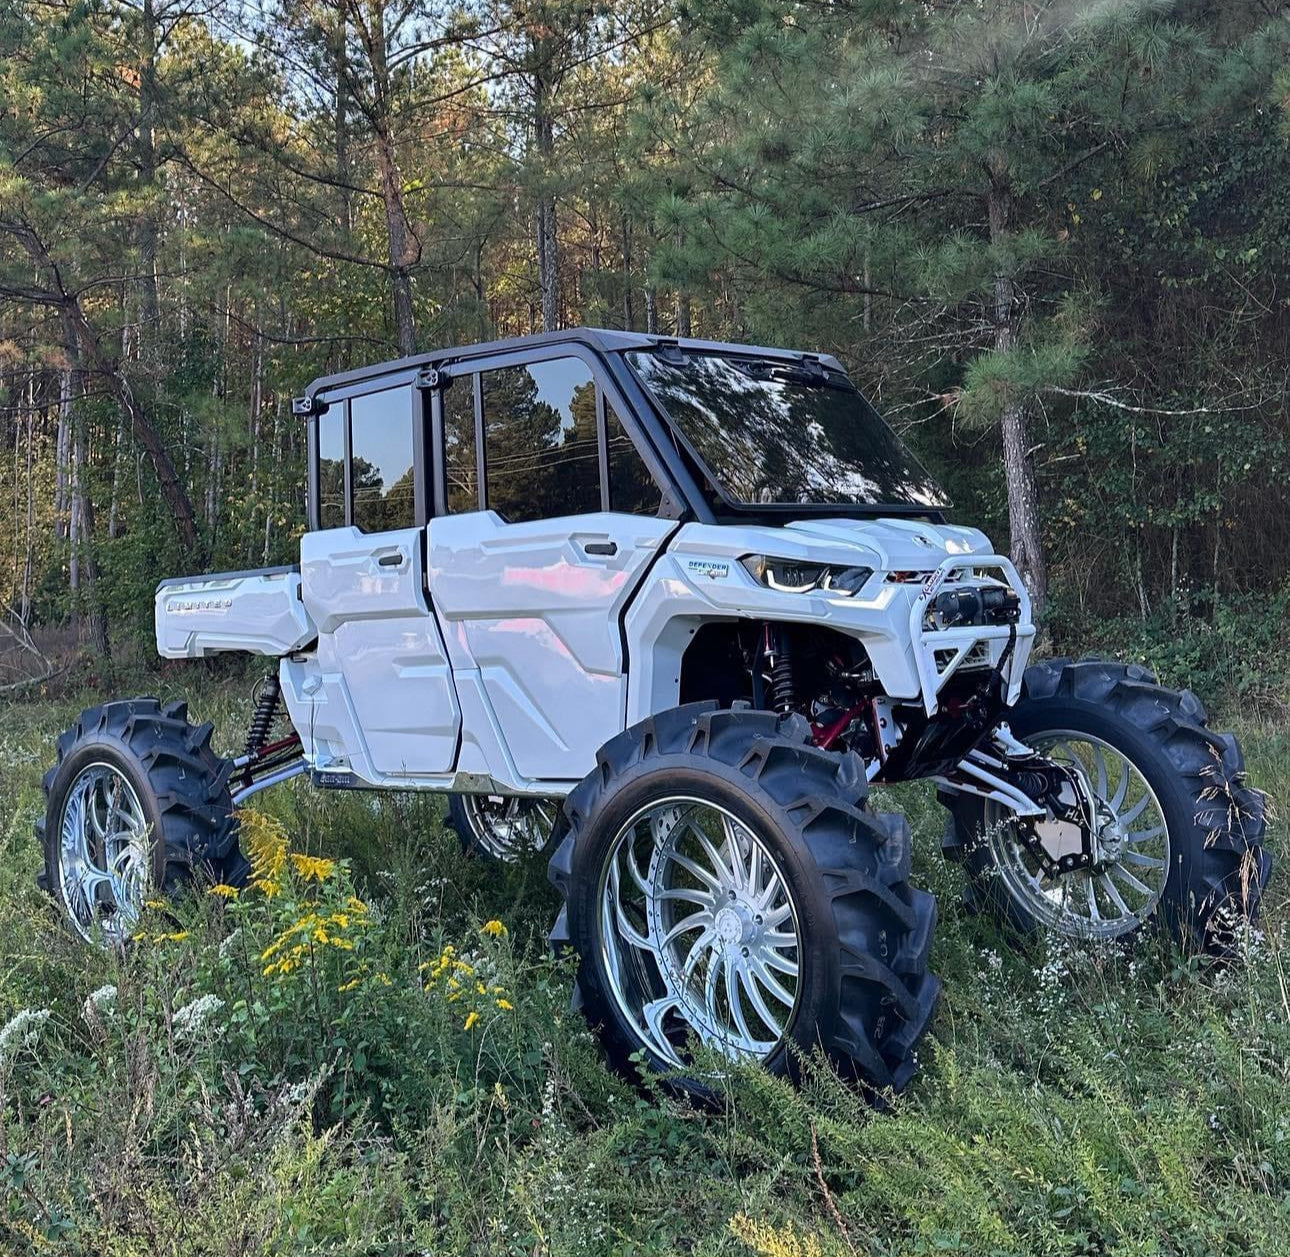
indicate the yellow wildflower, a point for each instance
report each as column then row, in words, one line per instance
column 351, row 985
column 494, row 929
column 223, row 891
column 471, row 1018
column 156, row 905
column 505, row 1005
column 312, row 868
column 265, row 841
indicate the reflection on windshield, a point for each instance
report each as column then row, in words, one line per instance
column 768, row 435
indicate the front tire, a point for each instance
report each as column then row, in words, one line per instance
column 1192, row 856
column 138, row 804
column 725, row 881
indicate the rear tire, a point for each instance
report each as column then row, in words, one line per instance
column 853, row 980
column 499, row 827
column 138, row 804
column 1216, row 865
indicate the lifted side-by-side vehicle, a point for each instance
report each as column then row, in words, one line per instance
column 701, row 594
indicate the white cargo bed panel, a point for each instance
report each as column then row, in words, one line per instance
column 258, row 613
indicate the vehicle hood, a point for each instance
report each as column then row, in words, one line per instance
column 897, row 544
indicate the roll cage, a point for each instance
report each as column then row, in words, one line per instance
column 686, row 492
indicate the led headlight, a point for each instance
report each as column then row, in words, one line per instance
column 792, row 576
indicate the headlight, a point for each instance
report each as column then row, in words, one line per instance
column 792, row 576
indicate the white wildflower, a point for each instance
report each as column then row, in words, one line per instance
column 191, row 1019
column 100, row 1003
column 226, row 944
column 21, row 1031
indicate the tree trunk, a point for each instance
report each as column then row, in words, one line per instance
column 651, row 310
column 683, row 314
column 548, row 236
column 149, row 308
column 341, row 133
column 404, row 248
column 629, row 308
column 1018, row 467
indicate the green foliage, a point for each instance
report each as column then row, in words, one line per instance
column 178, row 1099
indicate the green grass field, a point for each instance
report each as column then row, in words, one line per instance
column 404, row 1081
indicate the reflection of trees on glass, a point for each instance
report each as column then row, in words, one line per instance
column 377, row 509
column 381, row 470
column 541, row 456
column 631, row 487
column 459, row 444
column 767, row 438
column 331, row 467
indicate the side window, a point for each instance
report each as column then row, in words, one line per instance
column 541, row 455
column 631, row 487
column 459, row 445
column 331, row 466
column 381, row 472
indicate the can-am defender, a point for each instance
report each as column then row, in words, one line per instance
column 701, row 593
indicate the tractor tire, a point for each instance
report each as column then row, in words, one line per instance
column 501, row 828
column 807, row 933
column 1190, row 827
column 137, row 805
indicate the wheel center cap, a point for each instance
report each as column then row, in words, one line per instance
column 730, row 925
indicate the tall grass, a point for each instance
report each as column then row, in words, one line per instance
column 414, row 1081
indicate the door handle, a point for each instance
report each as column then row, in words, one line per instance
column 607, row 548
column 396, row 559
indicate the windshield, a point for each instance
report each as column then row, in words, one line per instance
column 777, row 432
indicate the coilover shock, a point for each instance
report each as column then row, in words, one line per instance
column 783, row 695
column 268, row 694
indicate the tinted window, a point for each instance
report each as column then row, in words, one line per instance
column 381, row 472
column 775, row 431
column 631, row 487
column 459, row 444
column 331, row 467
column 541, row 455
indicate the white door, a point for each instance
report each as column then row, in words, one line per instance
column 536, row 607
column 379, row 644
column 531, row 575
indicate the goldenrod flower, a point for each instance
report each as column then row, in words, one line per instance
column 471, row 1018
column 223, row 891
column 494, row 929
column 156, row 905
column 505, row 1005
column 312, row 868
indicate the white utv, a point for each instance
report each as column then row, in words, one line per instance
column 701, row 594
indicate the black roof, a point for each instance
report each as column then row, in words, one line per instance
column 602, row 339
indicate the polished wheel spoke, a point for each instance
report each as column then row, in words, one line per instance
column 1126, row 876
column 1103, row 906
column 700, row 932
column 758, row 1001
column 1143, row 861
column 104, row 853
column 1109, row 886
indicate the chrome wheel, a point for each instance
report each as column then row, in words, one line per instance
column 507, row 827
column 105, row 854
column 699, row 932
column 1124, row 886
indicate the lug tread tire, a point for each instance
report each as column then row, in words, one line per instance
column 173, row 759
column 882, row 997
column 1219, row 820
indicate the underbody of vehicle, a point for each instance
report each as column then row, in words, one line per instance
column 701, row 593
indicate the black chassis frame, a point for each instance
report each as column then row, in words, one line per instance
column 659, row 444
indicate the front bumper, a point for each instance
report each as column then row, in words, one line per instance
column 938, row 653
